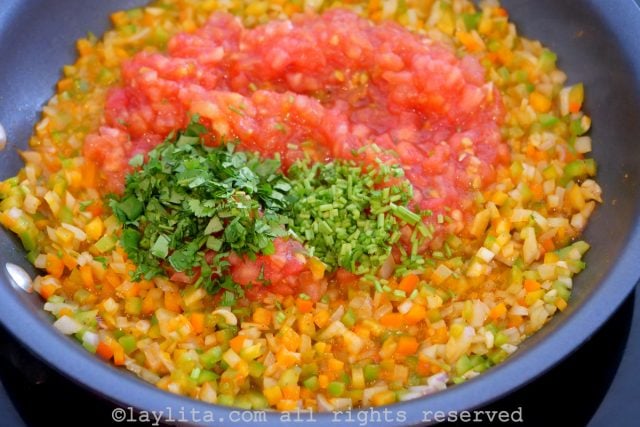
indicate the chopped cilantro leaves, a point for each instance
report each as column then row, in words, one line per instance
column 188, row 199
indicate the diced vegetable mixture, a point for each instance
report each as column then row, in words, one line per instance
column 307, row 204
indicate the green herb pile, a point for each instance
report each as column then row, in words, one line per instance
column 187, row 199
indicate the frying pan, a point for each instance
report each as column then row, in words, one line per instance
column 598, row 43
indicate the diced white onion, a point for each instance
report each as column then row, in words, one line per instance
column 14, row 213
column 122, row 322
column 577, row 221
column 143, row 326
column 567, row 281
column 439, row 380
column 367, row 394
column 40, row 261
column 334, row 329
column 55, row 307
column 557, row 222
column 110, row 306
column 518, row 310
column 485, row 254
column 84, row 258
column 520, row 215
column 405, row 306
column 530, row 251
column 231, row 357
column 228, row 316
column 509, row 348
column 489, row 339
column 67, row 325
column 352, row 342
column 77, row 233
column 583, row 144
column 323, row 404
column 410, row 396
column 90, row 338
column 423, row 390
column 342, row 403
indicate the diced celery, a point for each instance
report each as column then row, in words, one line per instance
column 581, row 246
column 256, row 369
column 135, row 13
column 251, row 352
column 106, row 243
column 504, row 73
column 497, row 355
column 371, row 372
column 210, row 357
column 516, row 169
column 87, row 317
column 29, row 239
column 311, row 383
column 206, row 376
column 349, row 318
column 575, row 265
column 479, row 363
column 463, row 364
column 578, row 169
column 242, row 402
column 225, row 400
column 224, row 335
column 576, row 127
column 258, row 401
column 547, row 60
column 516, row 275
column 89, row 347
column 159, row 37
column 458, row 380
column 128, row 343
column 500, row 338
column 547, row 120
column 336, row 388
column 32, row 256
column 471, row 20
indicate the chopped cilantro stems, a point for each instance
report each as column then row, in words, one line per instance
column 348, row 215
column 189, row 206
column 188, row 200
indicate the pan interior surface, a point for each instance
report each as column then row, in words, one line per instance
column 596, row 43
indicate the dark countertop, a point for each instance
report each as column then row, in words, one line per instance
column 622, row 404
